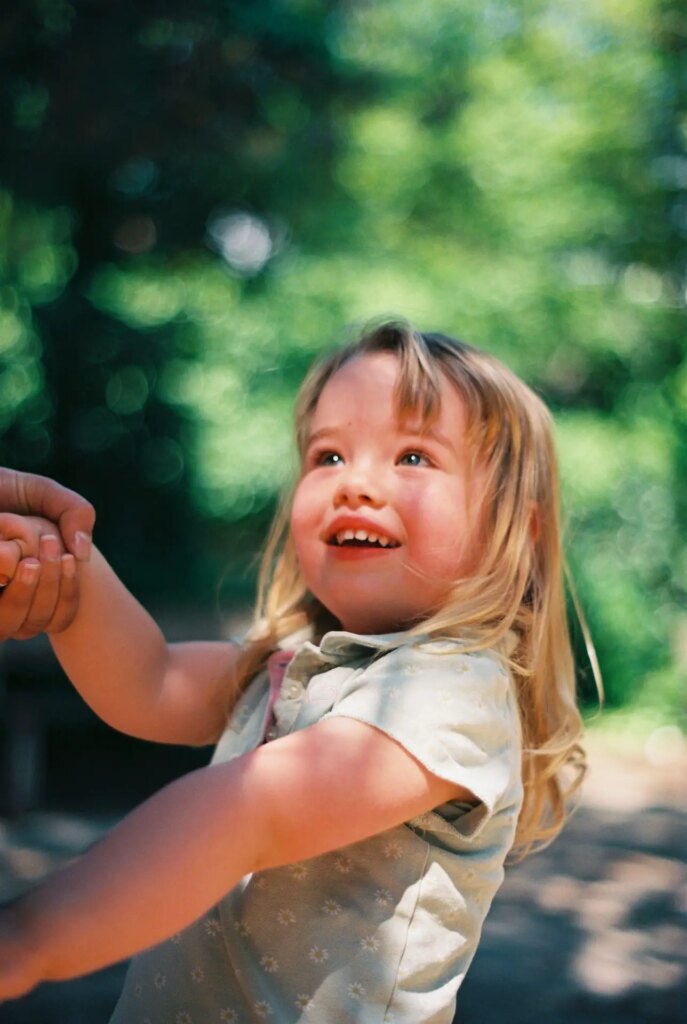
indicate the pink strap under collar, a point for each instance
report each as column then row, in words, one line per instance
column 277, row 664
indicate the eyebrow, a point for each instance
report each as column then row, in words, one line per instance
column 430, row 432
column 322, row 432
column 433, row 435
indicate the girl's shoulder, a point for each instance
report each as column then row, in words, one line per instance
column 449, row 654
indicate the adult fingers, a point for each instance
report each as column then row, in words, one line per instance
column 47, row 592
column 38, row 495
column 68, row 601
column 74, row 515
column 17, row 596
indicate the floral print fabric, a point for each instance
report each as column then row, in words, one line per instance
column 382, row 931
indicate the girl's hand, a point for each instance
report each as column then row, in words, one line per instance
column 19, row 967
column 42, row 595
column 20, row 537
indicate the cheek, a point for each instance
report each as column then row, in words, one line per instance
column 304, row 528
column 441, row 532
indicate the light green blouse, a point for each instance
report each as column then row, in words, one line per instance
column 382, row 930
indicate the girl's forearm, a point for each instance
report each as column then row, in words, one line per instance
column 155, row 873
column 114, row 652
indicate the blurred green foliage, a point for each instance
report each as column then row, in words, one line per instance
column 196, row 196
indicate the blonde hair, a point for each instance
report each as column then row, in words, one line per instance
column 514, row 602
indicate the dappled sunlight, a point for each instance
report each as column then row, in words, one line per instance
column 602, row 911
column 615, row 956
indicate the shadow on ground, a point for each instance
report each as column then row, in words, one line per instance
column 591, row 931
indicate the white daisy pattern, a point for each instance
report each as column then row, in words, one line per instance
column 286, row 916
column 299, row 871
column 269, row 963
column 382, row 897
column 304, row 1001
column 370, row 943
column 356, row 990
column 183, row 1018
column 228, row 1016
column 318, row 955
column 343, row 865
column 198, row 974
column 176, row 939
column 212, row 926
column 160, row 980
column 332, row 907
column 262, row 1008
column 392, row 850
column 242, row 928
column 260, row 882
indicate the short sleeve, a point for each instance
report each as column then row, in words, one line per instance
column 454, row 712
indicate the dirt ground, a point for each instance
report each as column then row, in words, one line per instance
column 591, row 931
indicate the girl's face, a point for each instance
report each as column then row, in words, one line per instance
column 385, row 517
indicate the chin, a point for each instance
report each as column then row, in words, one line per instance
column 361, row 623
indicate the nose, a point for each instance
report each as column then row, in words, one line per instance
column 355, row 487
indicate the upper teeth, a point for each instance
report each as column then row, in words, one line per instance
column 373, row 538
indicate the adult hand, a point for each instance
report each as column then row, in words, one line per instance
column 43, row 595
column 28, row 494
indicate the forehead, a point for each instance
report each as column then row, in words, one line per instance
column 366, row 389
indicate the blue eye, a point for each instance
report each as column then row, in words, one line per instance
column 414, row 459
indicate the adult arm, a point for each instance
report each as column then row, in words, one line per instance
column 324, row 787
column 118, row 659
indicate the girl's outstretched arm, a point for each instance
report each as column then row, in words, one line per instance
column 119, row 661
column 323, row 787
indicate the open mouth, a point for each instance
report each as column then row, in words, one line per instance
column 361, row 539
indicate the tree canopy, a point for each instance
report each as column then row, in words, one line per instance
column 197, row 197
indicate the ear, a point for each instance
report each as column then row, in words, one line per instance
column 535, row 522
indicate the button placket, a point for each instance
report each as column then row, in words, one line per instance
column 306, row 664
column 288, row 703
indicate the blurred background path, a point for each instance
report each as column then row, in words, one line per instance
column 594, row 929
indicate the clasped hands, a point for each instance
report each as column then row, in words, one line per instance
column 45, row 530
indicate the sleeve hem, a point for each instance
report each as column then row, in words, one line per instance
column 448, row 769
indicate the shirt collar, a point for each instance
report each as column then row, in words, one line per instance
column 340, row 643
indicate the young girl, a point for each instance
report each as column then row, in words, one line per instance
column 402, row 711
